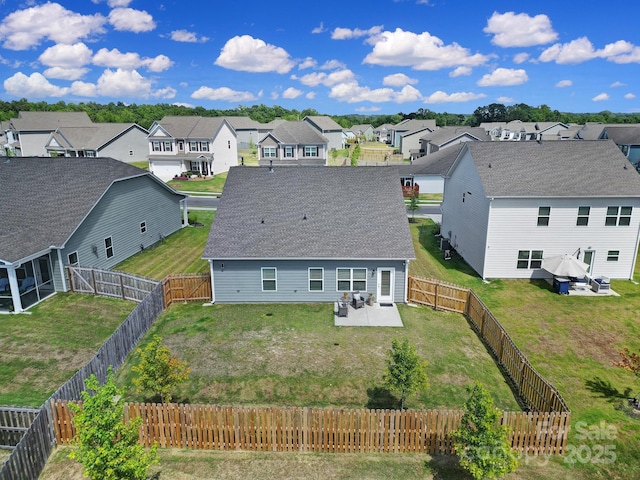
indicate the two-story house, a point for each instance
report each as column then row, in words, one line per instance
column 200, row 145
column 328, row 128
column 509, row 205
column 293, row 143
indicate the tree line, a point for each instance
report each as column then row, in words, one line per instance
column 145, row 114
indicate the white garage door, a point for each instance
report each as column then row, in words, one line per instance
column 165, row 170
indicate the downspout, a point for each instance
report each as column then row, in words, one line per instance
column 64, row 277
column 185, row 213
column 406, row 281
column 213, row 288
column 635, row 254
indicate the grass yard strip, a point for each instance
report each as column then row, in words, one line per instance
column 293, row 355
column 213, row 185
column 180, row 252
column 41, row 350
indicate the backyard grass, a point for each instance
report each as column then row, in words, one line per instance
column 180, row 252
column 42, row 350
column 200, row 185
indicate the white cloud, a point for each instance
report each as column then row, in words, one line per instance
column 520, row 30
column 629, row 96
column 327, row 79
column 33, row 86
column 66, row 56
column 618, row 84
column 183, row 104
column 621, row 52
column 308, row 62
column 504, row 77
column 354, row 93
column 332, row 65
column 576, row 51
column 116, row 59
column 187, row 37
column 505, row 100
column 347, row 33
column 372, row 108
column 248, row 54
column 420, row 52
column 130, row 20
column 83, row 89
column 115, row 3
column 223, row 93
column 519, row 58
column 167, row 92
column 292, row 93
column 274, row 95
column 459, row 71
column 458, row 97
column 310, row 95
column 601, row 97
column 398, row 80
column 65, row 73
column 26, row 28
column 319, row 29
column 123, row 84
column 564, row 83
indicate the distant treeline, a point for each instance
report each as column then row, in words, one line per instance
column 144, row 115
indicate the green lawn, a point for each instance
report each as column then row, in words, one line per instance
column 180, row 252
column 41, row 350
column 200, row 185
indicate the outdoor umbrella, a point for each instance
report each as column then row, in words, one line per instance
column 565, row 266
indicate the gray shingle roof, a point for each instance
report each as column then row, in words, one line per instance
column 28, row 121
column 437, row 163
column 624, row 135
column 43, row 200
column 351, row 212
column 324, row 123
column 588, row 168
column 191, row 127
column 298, row 133
column 443, row 135
column 96, row 135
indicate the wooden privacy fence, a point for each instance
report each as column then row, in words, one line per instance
column 532, row 388
column 110, row 283
column 321, row 430
column 183, row 288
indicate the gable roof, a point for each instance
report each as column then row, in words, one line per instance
column 43, row 200
column 243, row 123
column 351, row 213
column 413, row 124
column 192, row 127
column 589, row 168
column 34, row 121
column 623, row 135
column 94, row 136
column 443, row 135
column 297, row 133
column 323, row 122
column 436, row 163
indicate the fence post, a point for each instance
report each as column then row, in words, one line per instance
column 122, row 287
column 93, row 279
column 435, row 298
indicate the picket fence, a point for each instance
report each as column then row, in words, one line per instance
column 320, row 430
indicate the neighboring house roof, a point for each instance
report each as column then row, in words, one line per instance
column 33, row 121
column 437, row 163
column 243, row 123
column 271, row 125
column 297, row 133
column 93, row 137
column 412, row 124
column 553, row 169
column 192, row 127
column 591, row 131
column 361, row 128
column 324, row 123
column 351, row 213
column 623, row 135
column 444, row 135
column 43, row 201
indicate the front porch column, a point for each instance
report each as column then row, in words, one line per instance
column 185, row 213
column 15, row 290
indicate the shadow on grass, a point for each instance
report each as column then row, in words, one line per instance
column 605, row 390
column 447, row 467
column 429, row 237
column 381, row 398
column 542, row 284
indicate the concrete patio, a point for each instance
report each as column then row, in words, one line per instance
column 375, row 315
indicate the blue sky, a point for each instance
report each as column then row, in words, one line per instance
column 338, row 57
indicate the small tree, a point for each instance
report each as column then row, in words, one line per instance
column 406, row 372
column 413, row 204
column 159, row 370
column 108, row 449
column 482, row 445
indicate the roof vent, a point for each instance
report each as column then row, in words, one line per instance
column 270, row 166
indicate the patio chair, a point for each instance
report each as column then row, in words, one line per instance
column 343, row 308
column 357, row 300
column 27, row 284
column 4, row 284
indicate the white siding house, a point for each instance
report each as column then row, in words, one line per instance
column 508, row 205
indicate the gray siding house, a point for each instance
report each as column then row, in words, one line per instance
column 328, row 128
column 308, row 234
column 293, row 143
column 75, row 211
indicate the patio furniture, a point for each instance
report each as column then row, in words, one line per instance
column 4, row 284
column 600, row 285
column 357, row 301
column 27, row 284
column 343, row 308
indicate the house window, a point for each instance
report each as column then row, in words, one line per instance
column 269, row 152
column 583, row 216
column 316, row 279
column 73, row 258
column 350, row 279
column 143, row 227
column 181, row 146
column 193, row 146
column 269, row 279
column 620, row 216
column 288, row 152
column 168, row 147
column 204, row 146
column 613, row 255
column 310, row 151
column 156, row 147
column 90, row 153
column 529, row 259
column 108, row 246
column 543, row 216
column 229, row 144
column 131, row 153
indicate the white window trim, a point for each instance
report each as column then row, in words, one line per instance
column 110, row 247
column 315, row 279
column 143, row 228
column 269, row 152
column 77, row 257
column 262, row 279
column 618, row 215
column 529, row 259
column 351, row 279
column 310, row 151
